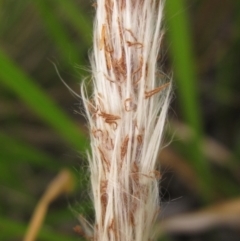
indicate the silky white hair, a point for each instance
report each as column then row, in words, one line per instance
column 126, row 114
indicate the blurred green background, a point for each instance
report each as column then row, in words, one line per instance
column 43, row 128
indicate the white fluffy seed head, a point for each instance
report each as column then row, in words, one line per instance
column 126, row 115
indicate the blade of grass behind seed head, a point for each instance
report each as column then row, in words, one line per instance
column 78, row 19
column 69, row 52
column 30, row 93
column 17, row 151
column 185, row 71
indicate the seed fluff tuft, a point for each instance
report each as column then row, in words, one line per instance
column 126, row 115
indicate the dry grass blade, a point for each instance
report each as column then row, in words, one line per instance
column 227, row 213
column 61, row 184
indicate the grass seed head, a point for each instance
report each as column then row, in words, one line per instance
column 126, row 116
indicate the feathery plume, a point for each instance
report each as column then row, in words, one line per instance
column 126, row 115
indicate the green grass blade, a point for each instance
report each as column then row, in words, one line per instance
column 18, row 152
column 182, row 55
column 29, row 92
column 70, row 53
column 79, row 20
column 16, row 8
column 7, row 176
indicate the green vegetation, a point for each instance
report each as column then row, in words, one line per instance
column 40, row 133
